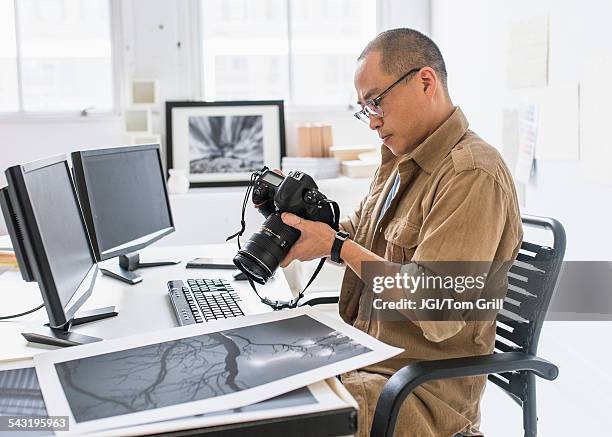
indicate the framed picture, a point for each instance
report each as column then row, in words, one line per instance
column 222, row 143
column 144, row 92
column 137, row 121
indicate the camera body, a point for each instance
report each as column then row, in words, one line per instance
column 296, row 193
column 274, row 194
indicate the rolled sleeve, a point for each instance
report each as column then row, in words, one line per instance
column 465, row 223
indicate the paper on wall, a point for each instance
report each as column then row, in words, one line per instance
column 558, row 120
column 595, row 117
column 200, row 368
column 510, row 147
column 528, row 130
column 528, row 53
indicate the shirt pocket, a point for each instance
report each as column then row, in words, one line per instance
column 402, row 237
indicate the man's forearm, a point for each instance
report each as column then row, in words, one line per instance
column 353, row 255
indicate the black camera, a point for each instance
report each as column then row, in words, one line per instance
column 274, row 194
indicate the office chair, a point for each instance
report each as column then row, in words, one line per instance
column 514, row 364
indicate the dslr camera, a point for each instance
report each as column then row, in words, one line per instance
column 274, row 194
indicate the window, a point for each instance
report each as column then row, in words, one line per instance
column 9, row 97
column 55, row 55
column 302, row 51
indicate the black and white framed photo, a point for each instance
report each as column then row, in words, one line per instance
column 222, row 143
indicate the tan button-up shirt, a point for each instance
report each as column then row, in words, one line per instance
column 456, row 202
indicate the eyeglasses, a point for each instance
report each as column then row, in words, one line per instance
column 372, row 106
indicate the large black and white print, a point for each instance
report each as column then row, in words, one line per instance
column 200, row 367
column 225, row 144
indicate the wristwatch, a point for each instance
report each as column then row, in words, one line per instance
column 341, row 237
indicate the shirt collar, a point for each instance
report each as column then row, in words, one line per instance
column 436, row 146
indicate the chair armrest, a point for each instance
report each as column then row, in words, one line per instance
column 319, row 298
column 408, row 378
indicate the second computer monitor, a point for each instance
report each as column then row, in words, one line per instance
column 52, row 246
column 125, row 202
column 45, row 223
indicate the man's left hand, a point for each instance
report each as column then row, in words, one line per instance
column 315, row 242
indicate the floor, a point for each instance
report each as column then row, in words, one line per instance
column 579, row 401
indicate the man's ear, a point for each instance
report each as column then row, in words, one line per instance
column 429, row 81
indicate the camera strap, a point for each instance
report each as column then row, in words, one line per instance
column 277, row 305
column 293, row 303
column 244, row 205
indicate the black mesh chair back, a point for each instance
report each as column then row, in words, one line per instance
column 531, row 283
column 514, row 364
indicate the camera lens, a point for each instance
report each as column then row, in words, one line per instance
column 264, row 251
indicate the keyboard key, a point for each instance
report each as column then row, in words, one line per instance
column 209, row 299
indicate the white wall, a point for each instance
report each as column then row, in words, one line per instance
column 30, row 140
column 401, row 13
column 150, row 33
column 472, row 35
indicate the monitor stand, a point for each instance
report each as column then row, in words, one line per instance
column 63, row 337
column 130, row 262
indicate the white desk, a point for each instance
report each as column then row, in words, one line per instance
column 144, row 307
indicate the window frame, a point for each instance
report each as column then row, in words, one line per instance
column 290, row 108
column 116, row 39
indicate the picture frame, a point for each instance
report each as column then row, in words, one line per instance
column 144, row 93
column 223, row 143
column 137, row 121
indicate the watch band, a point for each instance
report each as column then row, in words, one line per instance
column 341, row 237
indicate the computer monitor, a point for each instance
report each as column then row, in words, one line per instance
column 51, row 244
column 125, row 203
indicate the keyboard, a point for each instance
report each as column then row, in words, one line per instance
column 203, row 300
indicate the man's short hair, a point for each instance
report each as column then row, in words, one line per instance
column 403, row 49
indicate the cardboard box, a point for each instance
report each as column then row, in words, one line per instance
column 303, row 149
column 316, row 140
column 328, row 140
column 359, row 169
column 350, row 153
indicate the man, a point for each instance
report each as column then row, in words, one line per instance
column 440, row 194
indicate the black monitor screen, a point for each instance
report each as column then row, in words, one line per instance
column 126, row 196
column 61, row 227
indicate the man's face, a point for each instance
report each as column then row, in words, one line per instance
column 405, row 107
